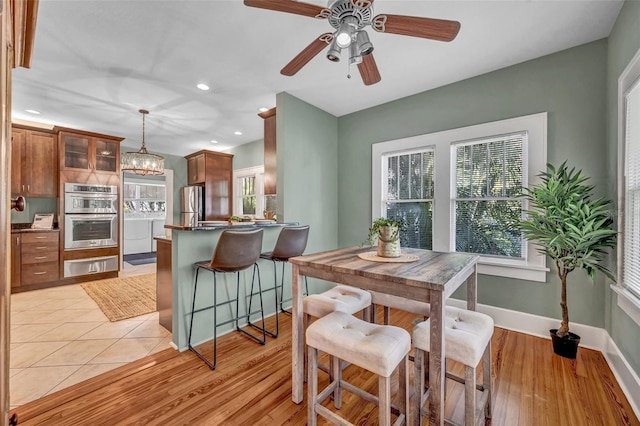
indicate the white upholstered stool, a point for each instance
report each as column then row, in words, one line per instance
column 376, row 348
column 467, row 341
column 397, row 302
column 342, row 298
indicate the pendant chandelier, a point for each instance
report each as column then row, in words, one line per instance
column 142, row 162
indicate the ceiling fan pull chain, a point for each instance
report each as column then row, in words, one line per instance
column 348, row 69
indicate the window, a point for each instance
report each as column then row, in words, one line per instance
column 459, row 190
column 409, row 195
column 249, row 190
column 628, row 282
column 488, row 183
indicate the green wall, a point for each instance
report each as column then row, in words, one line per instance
column 624, row 42
column 569, row 85
column 248, row 155
column 307, row 180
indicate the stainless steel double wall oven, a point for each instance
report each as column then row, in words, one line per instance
column 90, row 221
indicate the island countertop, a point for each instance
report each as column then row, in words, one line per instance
column 238, row 225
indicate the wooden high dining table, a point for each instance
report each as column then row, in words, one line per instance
column 432, row 278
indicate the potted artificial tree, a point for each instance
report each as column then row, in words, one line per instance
column 387, row 233
column 574, row 230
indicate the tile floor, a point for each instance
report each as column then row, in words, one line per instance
column 60, row 337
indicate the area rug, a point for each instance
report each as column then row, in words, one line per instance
column 126, row 297
column 140, row 258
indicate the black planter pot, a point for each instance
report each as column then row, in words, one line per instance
column 566, row 346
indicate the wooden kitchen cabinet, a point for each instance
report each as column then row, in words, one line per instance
column 16, row 263
column 196, row 169
column 214, row 171
column 34, row 258
column 270, row 165
column 85, row 151
column 34, row 158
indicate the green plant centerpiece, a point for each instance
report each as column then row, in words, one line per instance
column 387, row 233
column 573, row 228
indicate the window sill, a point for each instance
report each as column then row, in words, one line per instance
column 627, row 302
column 519, row 271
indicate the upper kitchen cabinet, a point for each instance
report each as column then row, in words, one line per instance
column 34, row 159
column 196, row 169
column 85, row 151
column 269, row 151
column 214, row 171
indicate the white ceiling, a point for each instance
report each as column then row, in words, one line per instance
column 97, row 62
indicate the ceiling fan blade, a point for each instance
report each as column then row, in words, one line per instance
column 369, row 70
column 307, row 54
column 435, row 29
column 290, row 6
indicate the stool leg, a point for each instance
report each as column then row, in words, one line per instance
column 403, row 388
column 336, row 376
column 193, row 304
column 418, row 385
column 469, row 396
column 312, row 385
column 486, row 379
column 384, row 400
column 387, row 315
column 248, row 315
column 275, row 298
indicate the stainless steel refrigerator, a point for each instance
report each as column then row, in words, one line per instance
column 191, row 205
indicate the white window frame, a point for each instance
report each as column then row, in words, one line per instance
column 238, row 175
column 627, row 301
column 533, row 267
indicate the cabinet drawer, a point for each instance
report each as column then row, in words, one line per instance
column 43, row 247
column 40, row 237
column 39, row 273
column 45, row 256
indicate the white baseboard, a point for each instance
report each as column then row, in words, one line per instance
column 590, row 337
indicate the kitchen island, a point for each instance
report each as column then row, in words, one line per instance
column 189, row 245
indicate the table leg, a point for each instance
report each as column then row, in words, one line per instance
column 472, row 289
column 436, row 360
column 297, row 338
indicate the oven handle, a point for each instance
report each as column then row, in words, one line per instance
column 85, row 195
column 76, row 216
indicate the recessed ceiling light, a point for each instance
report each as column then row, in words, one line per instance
column 32, row 111
column 237, row 133
column 263, row 109
column 214, row 141
column 202, row 86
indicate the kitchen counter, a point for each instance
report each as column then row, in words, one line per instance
column 238, row 225
column 190, row 245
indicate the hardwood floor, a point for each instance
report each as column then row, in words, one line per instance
column 251, row 386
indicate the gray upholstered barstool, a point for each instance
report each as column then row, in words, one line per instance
column 291, row 242
column 467, row 341
column 376, row 348
column 236, row 251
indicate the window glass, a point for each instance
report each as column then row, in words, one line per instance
column 410, row 196
column 488, row 183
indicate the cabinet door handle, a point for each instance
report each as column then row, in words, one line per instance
column 40, row 257
column 40, row 238
column 41, row 248
column 39, row 273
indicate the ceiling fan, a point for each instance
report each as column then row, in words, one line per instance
column 349, row 18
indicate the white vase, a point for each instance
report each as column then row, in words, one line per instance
column 389, row 241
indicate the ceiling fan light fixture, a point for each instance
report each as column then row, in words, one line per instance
column 345, row 34
column 364, row 45
column 142, row 162
column 354, row 55
column 333, row 54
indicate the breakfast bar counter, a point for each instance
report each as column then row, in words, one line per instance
column 192, row 244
